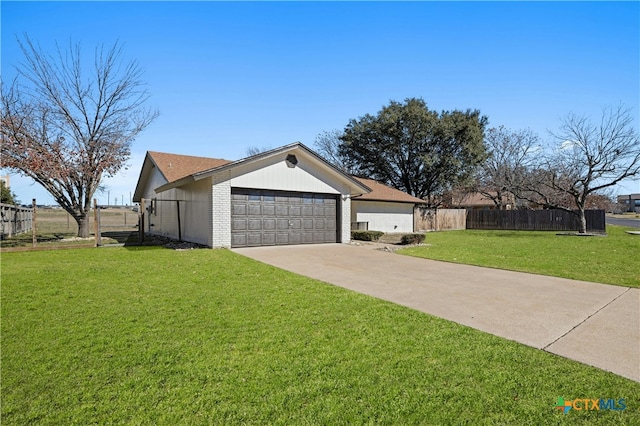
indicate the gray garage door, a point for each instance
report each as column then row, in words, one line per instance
column 263, row 218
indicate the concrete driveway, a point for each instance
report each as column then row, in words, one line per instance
column 595, row 324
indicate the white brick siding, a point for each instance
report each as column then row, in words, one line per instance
column 221, row 214
column 345, row 219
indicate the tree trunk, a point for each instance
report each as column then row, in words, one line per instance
column 583, row 221
column 83, row 225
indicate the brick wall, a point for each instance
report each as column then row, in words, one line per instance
column 345, row 220
column 221, row 213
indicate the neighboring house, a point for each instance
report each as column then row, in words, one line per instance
column 478, row 201
column 384, row 209
column 288, row 195
column 631, row 202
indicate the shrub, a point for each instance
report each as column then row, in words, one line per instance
column 366, row 235
column 412, row 239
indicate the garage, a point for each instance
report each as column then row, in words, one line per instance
column 286, row 196
column 265, row 217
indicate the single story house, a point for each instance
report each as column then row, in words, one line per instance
column 478, row 201
column 288, row 195
column 384, row 208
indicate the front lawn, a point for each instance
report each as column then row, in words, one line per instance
column 153, row 336
column 610, row 259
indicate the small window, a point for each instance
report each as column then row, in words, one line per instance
column 254, row 197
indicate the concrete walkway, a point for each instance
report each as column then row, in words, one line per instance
column 595, row 324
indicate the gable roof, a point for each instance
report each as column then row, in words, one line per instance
column 181, row 169
column 382, row 192
column 172, row 167
column 175, row 166
column 356, row 187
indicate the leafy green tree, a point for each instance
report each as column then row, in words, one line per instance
column 6, row 195
column 414, row 149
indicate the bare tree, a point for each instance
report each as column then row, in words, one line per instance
column 588, row 159
column 328, row 144
column 255, row 150
column 510, row 156
column 67, row 130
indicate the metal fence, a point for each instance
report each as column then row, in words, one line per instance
column 534, row 220
column 15, row 220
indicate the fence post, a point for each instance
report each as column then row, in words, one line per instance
column 141, row 222
column 12, row 226
column 179, row 227
column 96, row 223
column 34, row 238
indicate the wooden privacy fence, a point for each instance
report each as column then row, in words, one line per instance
column 15, row 220
column 534, row 220
column 428, row 219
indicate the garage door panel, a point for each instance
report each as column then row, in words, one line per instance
column 262, row 217
column 295, row 224
column 282, row 224
column 238, row 224
column 295, row 210
column 238, row 209
column 238, row 240
column 295, row 238
column 269, row 239
column 253, row 209
column 269, row 209
column 254, row 239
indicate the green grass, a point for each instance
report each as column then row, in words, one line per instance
column 154, row 336
column 611, row 259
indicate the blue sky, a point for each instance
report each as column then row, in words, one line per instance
column 227, row 76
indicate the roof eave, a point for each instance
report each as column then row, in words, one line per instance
column 388, row 201
column 145, row 172
column 176, row 183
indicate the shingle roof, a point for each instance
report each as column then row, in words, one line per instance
column 175, row 166
column 381, row 192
